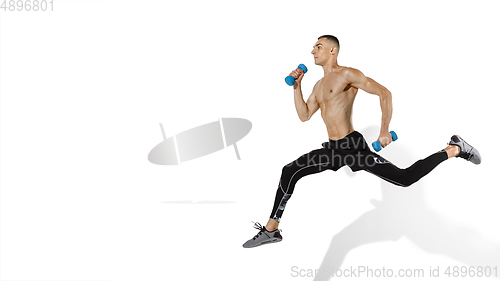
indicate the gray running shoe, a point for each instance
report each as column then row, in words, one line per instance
column 467, row 152
column 263, row 237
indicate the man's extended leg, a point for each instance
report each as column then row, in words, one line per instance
column 310, row 163
column 316, row 161
column 406, row 177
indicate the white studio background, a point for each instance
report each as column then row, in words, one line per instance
column 84, row 88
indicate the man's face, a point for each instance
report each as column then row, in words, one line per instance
column 321, row 51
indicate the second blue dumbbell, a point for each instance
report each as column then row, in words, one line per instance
column 290, row 80
column 377, row 146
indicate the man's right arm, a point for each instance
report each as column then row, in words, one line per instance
column 304, row 110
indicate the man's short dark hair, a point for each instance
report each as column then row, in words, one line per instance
column 333, row 39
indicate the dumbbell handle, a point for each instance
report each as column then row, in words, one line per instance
column 377, row 146
column 290, row 80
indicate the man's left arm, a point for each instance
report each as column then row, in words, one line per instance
column 357, row 79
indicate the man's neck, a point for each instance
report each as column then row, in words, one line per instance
column 330, row 67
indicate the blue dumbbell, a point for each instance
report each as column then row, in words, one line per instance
column 290, row 80
column 377, row 146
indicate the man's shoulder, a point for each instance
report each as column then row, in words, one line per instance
column 349, row 70
column 351, row 73
column 318, row 83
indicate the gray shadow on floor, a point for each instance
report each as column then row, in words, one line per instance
column 403, row 212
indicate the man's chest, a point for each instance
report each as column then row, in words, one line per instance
column 331, row 89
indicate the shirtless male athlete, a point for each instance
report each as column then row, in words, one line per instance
column 335, row 94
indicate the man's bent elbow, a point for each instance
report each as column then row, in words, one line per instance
column 304, row 118
column 386, row 94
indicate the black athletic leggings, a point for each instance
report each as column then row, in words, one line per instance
column 354, row 152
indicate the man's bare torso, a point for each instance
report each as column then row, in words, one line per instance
column 336, row 97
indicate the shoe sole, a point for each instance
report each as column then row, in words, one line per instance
column 266, row 242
